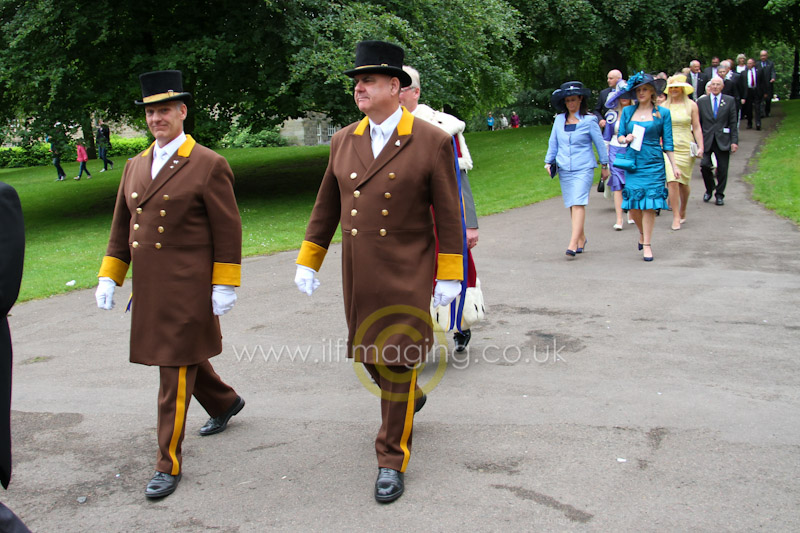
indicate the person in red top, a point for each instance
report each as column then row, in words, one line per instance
column 514, row 119
column 82, row 159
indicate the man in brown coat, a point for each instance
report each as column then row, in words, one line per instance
column 176, row 218
column 388, row 177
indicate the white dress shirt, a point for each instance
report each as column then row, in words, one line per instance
column 380, row 133
column 161, row 155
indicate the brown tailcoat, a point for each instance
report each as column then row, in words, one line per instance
column 180, row 230
column 388, row 251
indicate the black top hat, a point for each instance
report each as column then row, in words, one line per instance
column 569, row 88
column 162, row 86
column 382, row 58
column 639, row 79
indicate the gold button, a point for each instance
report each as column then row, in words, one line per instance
column 387, row 195
column 135, row 244
column 356, row 194
column 139, row 210
column 353, row 176
column 134, row 195
column 353, row 212
column 163, row 213
column 392, row 175
column 158, row 246
column 353, row 232
column 385, row 212
column 166, row 197
column 382, row 232
column 161, row 229
column 136, row 226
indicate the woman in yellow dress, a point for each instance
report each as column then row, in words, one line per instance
column 685, row 130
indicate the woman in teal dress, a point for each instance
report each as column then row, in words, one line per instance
column 645, row 186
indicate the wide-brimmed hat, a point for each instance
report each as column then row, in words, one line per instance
column 162, row 86
column 639, row 79
column 382, row 58
column 614, row 96
column 570, row 88
column 679, row 80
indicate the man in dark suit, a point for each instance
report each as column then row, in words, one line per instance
column 711, row 71
column 720, row 137
column 389, row 178
column 176, row 219
column 600, row 108
column 12, row 251
column 754, row 89
column 769, row 75
column 696, row 79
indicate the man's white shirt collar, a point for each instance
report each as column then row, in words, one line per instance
column 380, row 133
column 160, row 155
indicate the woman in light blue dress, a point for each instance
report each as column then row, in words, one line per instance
column 574, row 132
column 646, row 185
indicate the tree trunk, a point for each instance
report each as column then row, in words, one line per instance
column 795, row 91
column 88, row 137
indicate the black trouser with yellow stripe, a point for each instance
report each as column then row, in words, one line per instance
column 399, row 389
column 178, row 385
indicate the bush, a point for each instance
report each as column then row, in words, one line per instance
column 30, row 156
column 124, row 146
column 242, row 138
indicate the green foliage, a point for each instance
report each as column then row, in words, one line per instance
column 128, row 146
column 31, row 156
column 776, row 182
column 242, row 138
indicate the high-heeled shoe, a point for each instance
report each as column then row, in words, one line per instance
column 640, row 244
column 571, row 253
column 580, row 249
column 647, row 258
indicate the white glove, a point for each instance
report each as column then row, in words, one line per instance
column 105, row 293
column 222, row 298
column 446, row 291
column 306, row 279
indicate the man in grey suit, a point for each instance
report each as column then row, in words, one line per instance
column 696, row 79
column 720, row 137
column 768, row 67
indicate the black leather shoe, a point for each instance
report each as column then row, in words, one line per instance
column 219, row 423
column 162, row 485
column 462, row 339
column 389, row 485
column 706, row 197
column 419, row 403
column 720, row 201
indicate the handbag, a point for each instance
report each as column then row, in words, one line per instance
column 694, row 150
column 474, row 310
column 626, row 161
column 601, row 186
column 553, row 169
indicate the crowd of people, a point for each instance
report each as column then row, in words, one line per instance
column 648, row 132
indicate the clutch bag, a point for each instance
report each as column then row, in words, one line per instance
column 625, row 161
column 553, row 169
column 694, row 149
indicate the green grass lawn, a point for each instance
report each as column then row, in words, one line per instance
column 67, row 223
column 776, row 182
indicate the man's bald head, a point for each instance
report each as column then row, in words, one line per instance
column 613, row 77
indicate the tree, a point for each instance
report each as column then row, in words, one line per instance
column 262, row 61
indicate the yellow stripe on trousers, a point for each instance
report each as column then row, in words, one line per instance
column 410, row 401
column 180, row 414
